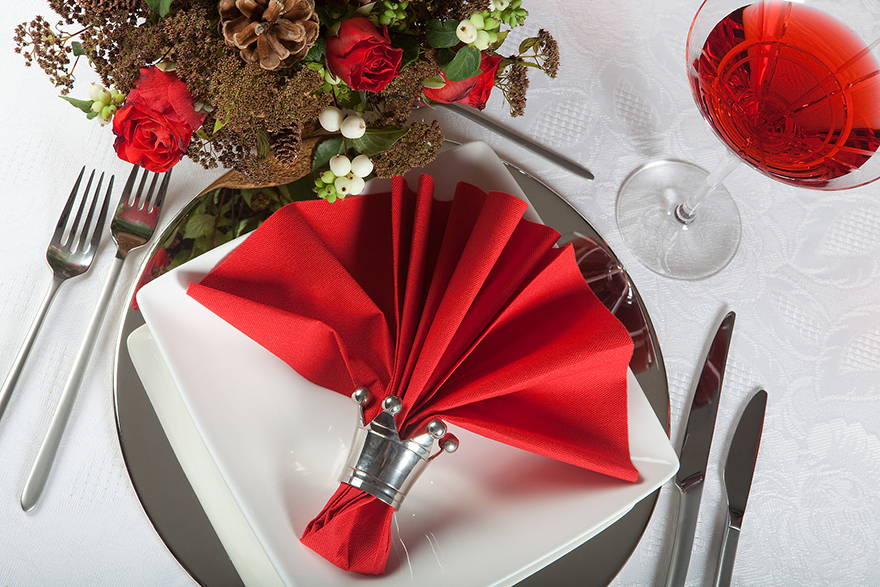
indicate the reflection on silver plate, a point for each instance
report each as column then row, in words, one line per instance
column 179, row 519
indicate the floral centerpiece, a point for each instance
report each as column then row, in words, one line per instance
column 257, row 85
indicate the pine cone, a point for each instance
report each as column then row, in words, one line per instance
column 273, row 33
column 287, row 143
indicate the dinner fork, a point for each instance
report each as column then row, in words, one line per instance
column 132, row 225
column 70, row 253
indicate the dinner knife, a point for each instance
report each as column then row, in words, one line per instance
column 694, row 455
column 521, row 141
column 738, row 474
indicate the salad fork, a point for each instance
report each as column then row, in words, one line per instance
column 132, row 225
column 70, row 253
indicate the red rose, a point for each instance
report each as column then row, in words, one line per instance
column 155, row 124
column 473, row 91
column 363, row 57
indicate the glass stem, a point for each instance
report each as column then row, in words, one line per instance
column 686, row 211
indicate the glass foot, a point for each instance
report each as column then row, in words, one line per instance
column 646, row 218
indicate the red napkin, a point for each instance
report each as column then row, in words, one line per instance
column 461, row 308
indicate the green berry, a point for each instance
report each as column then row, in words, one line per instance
column 328, row 177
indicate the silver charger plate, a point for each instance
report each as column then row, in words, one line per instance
column 180, row 521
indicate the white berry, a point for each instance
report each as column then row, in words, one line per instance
column 361, row 166
column 343, row 186
column 340, row 165
column 331, row 118
column 99, row 94
column 466, row 32
column 357, row 185
column 353, row 127
column 482, row 41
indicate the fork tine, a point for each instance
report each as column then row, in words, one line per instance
column 163, row 189
column 102, row 217
column 76, row 227
column 144, row 202
column 65, row 214
column 137, row 199
column 129, row 186
column 83, row 231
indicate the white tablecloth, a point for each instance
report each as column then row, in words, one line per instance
column 805, row 284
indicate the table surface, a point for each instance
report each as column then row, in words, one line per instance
column 805, row 285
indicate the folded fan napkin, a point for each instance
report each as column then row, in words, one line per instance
column 461, row 308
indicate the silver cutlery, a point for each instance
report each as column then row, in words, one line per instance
column 70, row 253
column 738, row 473
column 132, row 225
column 520, row 140
column 694, row 455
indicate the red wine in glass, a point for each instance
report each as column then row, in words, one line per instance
column 792, row 91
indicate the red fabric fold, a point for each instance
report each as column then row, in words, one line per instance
column 461, row 308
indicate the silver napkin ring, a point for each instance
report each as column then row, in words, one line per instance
column 382, row 464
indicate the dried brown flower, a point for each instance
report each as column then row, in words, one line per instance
column 516, row 87
column 40, row 44
column 550, row 50
column 405, row 90
column 417, row 148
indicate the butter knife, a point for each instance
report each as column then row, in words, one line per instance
column 738, row 473
column 694, row 455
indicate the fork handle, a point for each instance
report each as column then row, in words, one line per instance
column 24, row 351
column 39, row 474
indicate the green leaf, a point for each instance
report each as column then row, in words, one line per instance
column 262, row 143
column 301, row 189
column 377, row 141
column 77, row 47
column 317, row 50
column 441, row 33
column 325, row 150
column 247, row 225
column 464, row 64
column 160, row 7
column 364, row 10
column 84, row 105
column 527, row 44
column 198, row 225
column 434, row 82
column 410, row 46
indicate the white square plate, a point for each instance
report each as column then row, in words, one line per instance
column 236, row 415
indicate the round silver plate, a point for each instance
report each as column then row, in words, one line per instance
column 181, row 522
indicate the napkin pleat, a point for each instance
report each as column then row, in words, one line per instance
column 461, row 308
column 479, row 227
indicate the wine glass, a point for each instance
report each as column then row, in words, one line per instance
column 792, row 88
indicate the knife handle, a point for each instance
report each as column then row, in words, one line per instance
column 729, row 542
column 688, row 510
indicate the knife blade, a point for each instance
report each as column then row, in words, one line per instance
column 520, row 140
column 694, row 454
column 738, row 473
